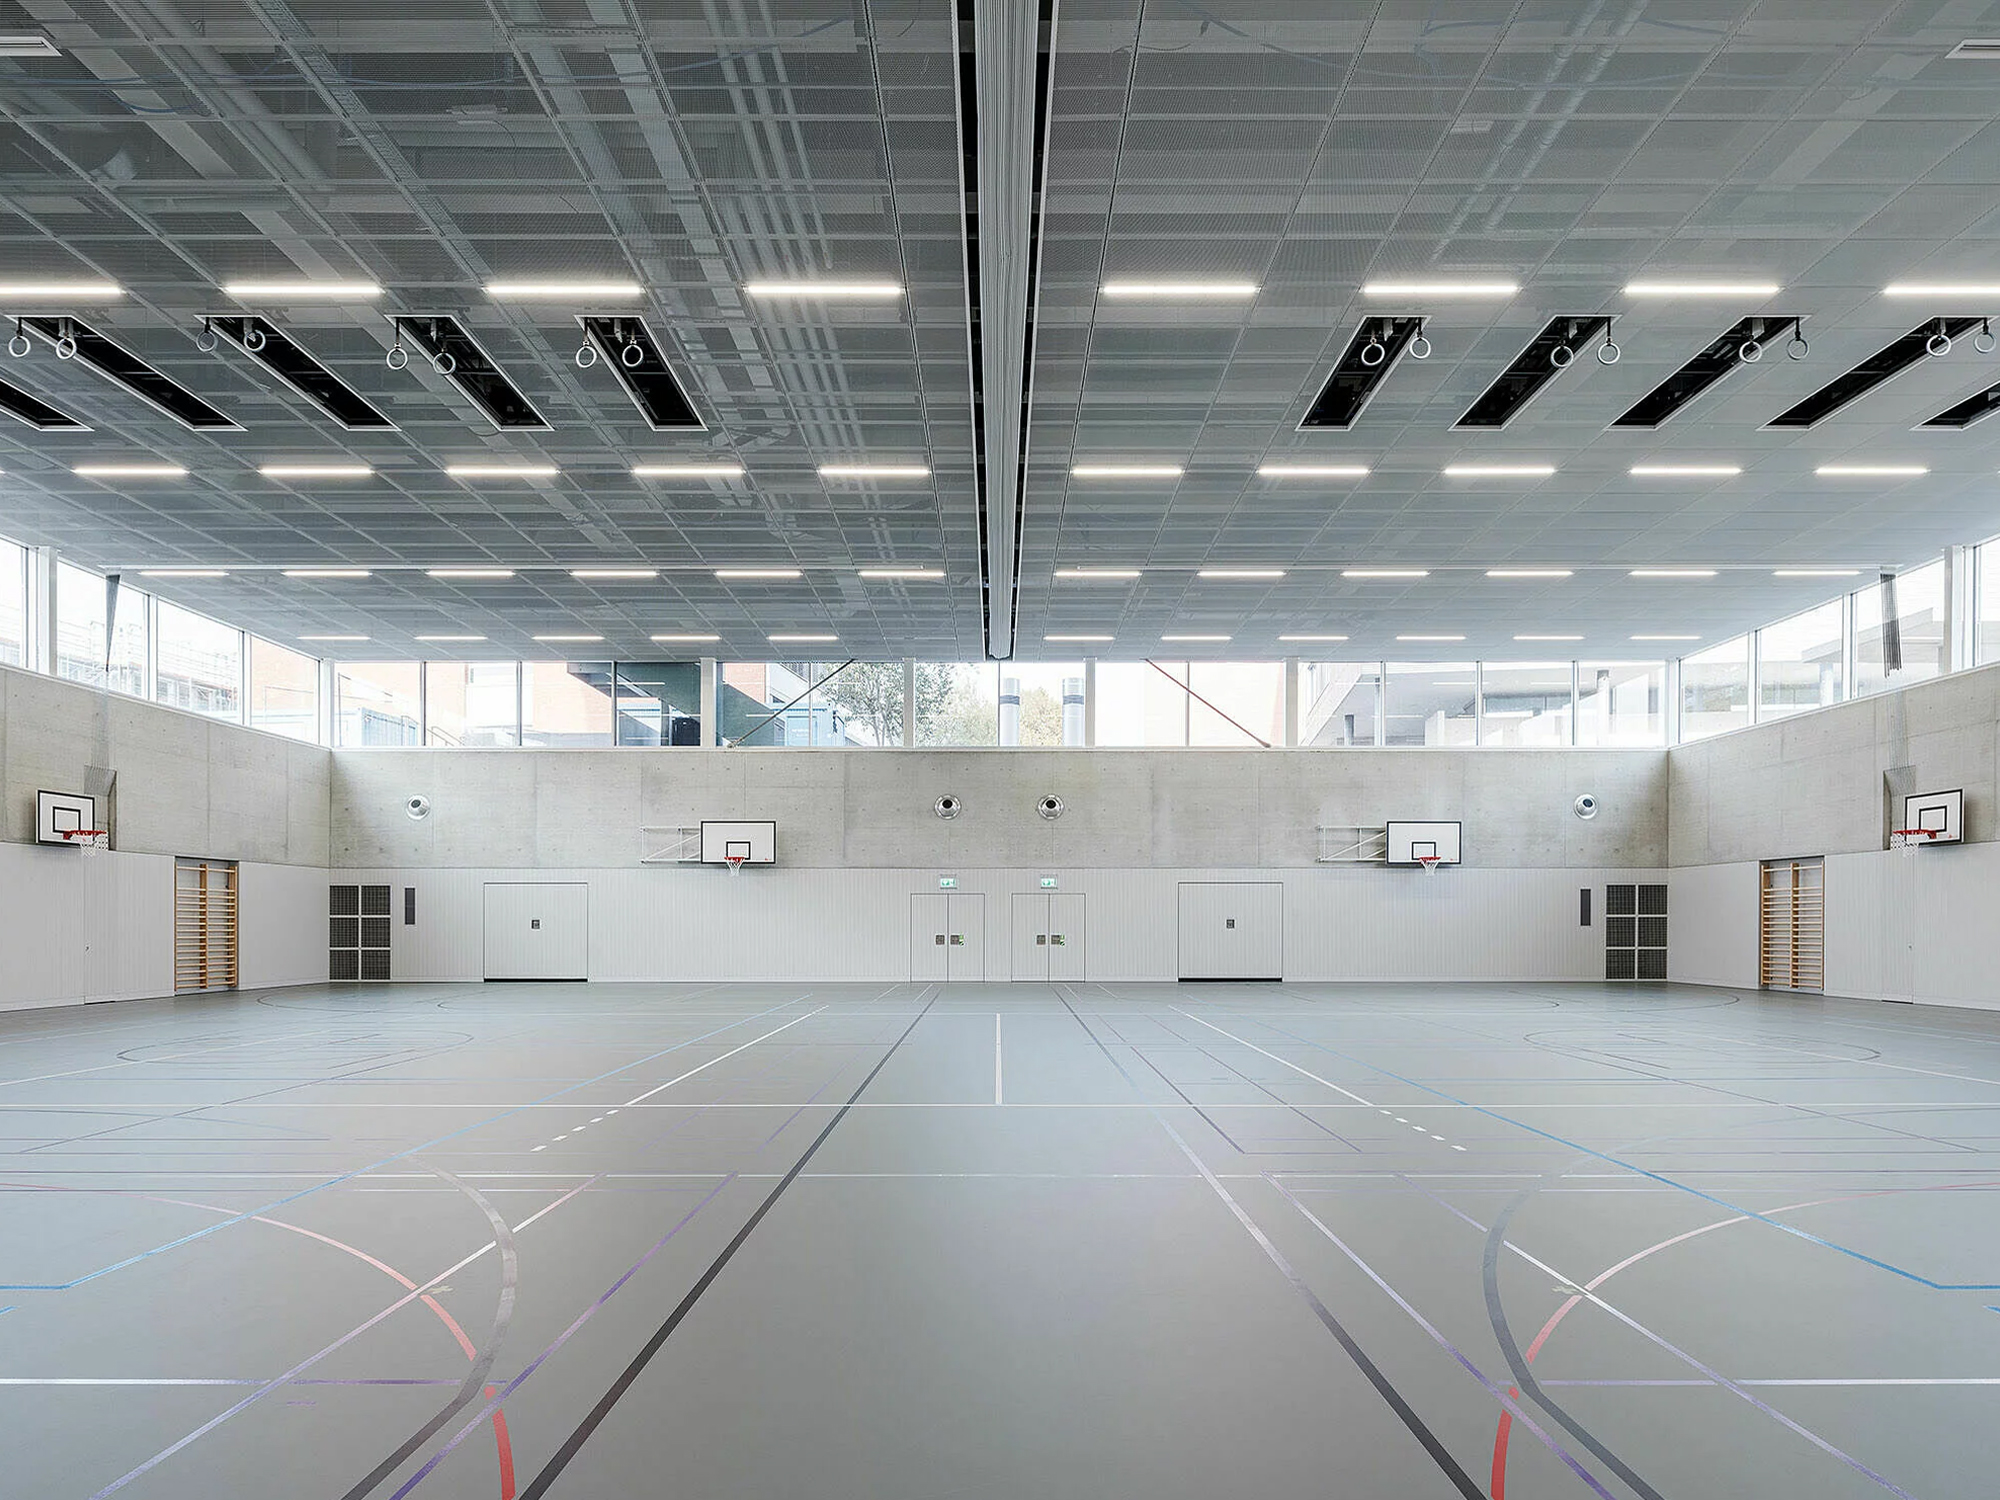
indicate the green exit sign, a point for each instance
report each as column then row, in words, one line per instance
column 947, row 882
column 1048, row 882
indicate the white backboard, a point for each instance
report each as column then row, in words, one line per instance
column 1409, row 842
column 57, row 811
column 756, row 840
column 1943, row 811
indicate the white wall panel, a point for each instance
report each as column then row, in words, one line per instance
column 81, row 928
column 281, row 925
column 1712, row 924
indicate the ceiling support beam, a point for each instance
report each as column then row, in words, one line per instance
column 1010, row 41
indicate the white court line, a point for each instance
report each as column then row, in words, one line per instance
column 714, row 1060
column 1843, row 1381
column 999, row 1096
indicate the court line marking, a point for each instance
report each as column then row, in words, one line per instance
column 999, row 1096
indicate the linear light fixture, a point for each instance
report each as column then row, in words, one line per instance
column 1097, row 575
column 559, row 291
column 1702, row 289
column 828, row 291
column 1530, row 573
column 1184, row 291
column 28, row 44
column 1548, row 637
column 1685, row 471
column 802, row 638
column 183, row 572
column 501, row 471
column 1666, row 637
column 1385, row 573
column 1312, row 637
column 1439, row 288
column 328, row 573
column 684, row 638
column 316, row 471
column 1942, row 289
column 1078, row 640
column 1125, row 471
column 1312, row 471
column 69, row 291
column 1438, row 639
column 557, row 640
column 332, row 638
column 687, row 471
column 732, row 575
column 1815, row 572
column 466, row 574
column 284, row 291
column 874, row 471
column 1672, row 573
column 1195, row 639
column 1871, row 471
column 899, row 572
column 613, row 575
column 1498, row 471
column 442, row 640
column 1240, row 573
column 130, row 471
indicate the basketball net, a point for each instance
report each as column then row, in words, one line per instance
column 89, row 840
column 1912, row 838
column 1430, row 862
column 735, row 863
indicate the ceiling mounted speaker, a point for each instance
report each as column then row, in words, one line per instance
column 948, row 807
column 418, row 807
column 1049, row 808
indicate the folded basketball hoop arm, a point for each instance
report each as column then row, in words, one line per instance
column 781, row 708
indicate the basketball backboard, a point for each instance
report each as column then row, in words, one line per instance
column 1412, row 842
column 755, row 841
column 1940, row 813
column 57, row 813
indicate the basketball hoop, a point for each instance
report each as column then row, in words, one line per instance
column 1430, row 862
column 1913, row 838
column 735, row 862
column 89, row 840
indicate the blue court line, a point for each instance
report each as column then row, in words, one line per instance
column 133, row 1260
column 1748, row 1213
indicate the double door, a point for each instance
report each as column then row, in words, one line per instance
column 1048, row 935
column 948, row 935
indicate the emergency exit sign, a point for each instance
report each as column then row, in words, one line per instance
column 947, row 882
column 1048, row 882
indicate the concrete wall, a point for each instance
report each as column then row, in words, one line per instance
column 1918, row 926
column 75, row 929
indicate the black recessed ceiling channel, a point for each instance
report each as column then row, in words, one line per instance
column 454, row 354
column 285, row 359
column 1974, row 408
column 1552, row 351
column 1913, row 348
column 647, row 377
column 74, row 340
column 1355, row 378
column 1698, row 374
column 36, row 412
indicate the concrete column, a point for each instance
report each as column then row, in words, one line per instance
column 909, row 702
column 708, row 706
column 1961, row 608
column 1291, row 701
column 1010, row 710
column 41, row 654
column 1090, row 700
column 1072, row 711
column 1381, row 703
column 150, row 676
column 328, row 685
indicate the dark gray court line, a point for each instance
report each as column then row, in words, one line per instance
column 553, row 1469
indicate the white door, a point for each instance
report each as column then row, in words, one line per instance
column 1065, row 927
column 965, row 936
column 1031, row 935
column 1232, row 930
column 929, row 936
column 538, row 931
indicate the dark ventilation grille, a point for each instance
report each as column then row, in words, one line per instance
column 647, row 377
column 1354, row 381
column 1707, row 367
column 1538, row 364
column 357, row 936
column 1883, row 365
column 471, row 371
column 121, row 366
column 1635, row 932
column 36, row 412
column 1974, row 408
column 304, row 374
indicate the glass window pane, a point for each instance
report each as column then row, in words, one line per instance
column 1252, row 693
column 80, row 638
column 1918, row 629
column 1431, row 703
column 13, row 604
column 1525, row 703
column 958, row 703
column 1986, row 635
column 1041, row 703
column 659, row 702
column 1139, row 705
column 471, row 704
column 1621, row 703
column 565, row 704
column 200, row 663
column 1337, row 702
column 1798, row 662
column 128, row 643
column 376, row 703
column 1715, row 689
column 284, row 690
column 862, row 706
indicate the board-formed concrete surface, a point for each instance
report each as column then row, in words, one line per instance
column 998, row 1241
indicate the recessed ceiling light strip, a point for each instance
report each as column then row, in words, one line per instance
column 1548, row 354
column 1743, row 344
column 1370, row 355
column 1927, row 340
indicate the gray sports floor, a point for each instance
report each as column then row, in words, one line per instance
column 999, row 1241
